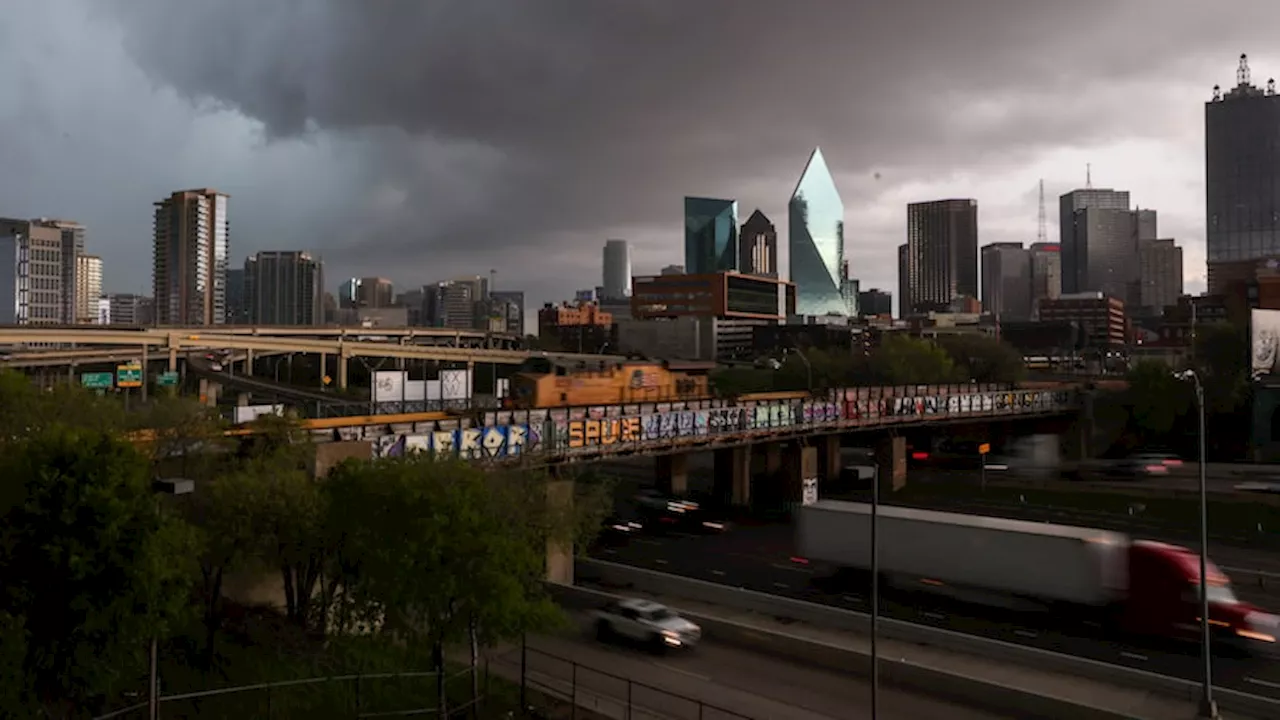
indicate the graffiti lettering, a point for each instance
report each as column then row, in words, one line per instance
column 590, row 433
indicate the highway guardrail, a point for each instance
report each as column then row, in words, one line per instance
column 615, row 575
column 900, row 673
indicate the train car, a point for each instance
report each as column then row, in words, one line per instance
column 545, row 383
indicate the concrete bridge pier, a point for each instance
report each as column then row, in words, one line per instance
column 671, row 472
column 829, row 462
column 732, row 475
column 891, row 458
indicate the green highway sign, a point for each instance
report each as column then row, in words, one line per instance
column 98, row 380
column 129, row 376
column 167, row 379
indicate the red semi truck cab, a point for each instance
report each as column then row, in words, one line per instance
column 1164, row 600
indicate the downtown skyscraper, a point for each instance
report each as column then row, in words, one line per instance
column 815, row 238
column 941, row 258
column 191, row 250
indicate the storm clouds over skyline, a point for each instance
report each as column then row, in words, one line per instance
column 423, row 140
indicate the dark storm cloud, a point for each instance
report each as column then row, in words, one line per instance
column 517, row 128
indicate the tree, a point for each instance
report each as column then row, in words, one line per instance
column 187, row 436
column 984, row 359
column 469, row 554
column 1157, row 400
column 92, row 568
column 903, row 360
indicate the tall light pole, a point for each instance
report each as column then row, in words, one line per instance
column 875, row 590
column 1208, row 708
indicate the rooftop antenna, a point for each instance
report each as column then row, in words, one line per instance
column 1271, row 86
column 1242, row 73
column 1088, row 176
column 1041, row 231
column 1217, row 93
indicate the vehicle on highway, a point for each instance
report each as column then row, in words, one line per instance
column 1136, row 587
column 659, row 510
column 1140, row 465
column 648, row 622
column 617, row 531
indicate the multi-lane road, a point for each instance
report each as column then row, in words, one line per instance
column 731, row 684
column 760, row 559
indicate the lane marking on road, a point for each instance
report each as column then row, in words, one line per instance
column 851, row 598
column 718, row 573
column 1133, row 656
column 1026, row 633
column 682, row 671
column 1263, row 683
column 792, row 568
column 934, row 615
column 660, row 561
column 781, row 585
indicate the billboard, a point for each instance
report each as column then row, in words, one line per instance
column 1264, row 342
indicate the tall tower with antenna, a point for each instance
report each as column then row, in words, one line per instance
column 1042, row 229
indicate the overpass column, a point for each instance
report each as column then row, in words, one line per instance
column 772, row 459
column 145, row 375
column 324, row 367
column 733, row 475
column 803, row 465
column 672, row 473
column 173, row 358
column 829, row 460
column 891, row 461
column 248, row 363
column 342, row 371
column 560, row 553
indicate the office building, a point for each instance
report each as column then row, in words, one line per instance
column 729, row 306
column 1046, row 273
column 710, row 235
column 815, row 239
column 1160, row 274
column 509, row 308
column 191, row 251
column 284, row 288
column 1101, row 319
column 1074, row 269
column 1007, row 281
column 459, row 304
column 617, row 269
column 1102, row 250
column 906, row 300
column 367, row 292
column 942, row 252
column 130, row 309
column 1242, row 179
column 31, row 280
column 581, row 327
column 758, row 246
column 71, row 234
column 237, row 298
column 88, row 279
column 875, row 302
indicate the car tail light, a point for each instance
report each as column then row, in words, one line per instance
column 919, row 456
column 1172, row 462
column 1157, row 468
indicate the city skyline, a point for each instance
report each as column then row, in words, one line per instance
column 1139, row 122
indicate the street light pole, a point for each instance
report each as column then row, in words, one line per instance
column 1208, row 708
column 875, row 591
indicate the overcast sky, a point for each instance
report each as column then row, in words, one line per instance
column 420, row 140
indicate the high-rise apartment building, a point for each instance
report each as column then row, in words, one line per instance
column 906, row 300
column 1242, row 179
column 284, row 288
column 758, row 246
column 710, row 235
column 88, row 278
column 942, row 251
column 1160, row 276
column 191, row 254
column 237, row 297
column 367, row 292
column 30, row 277
column 1007, row 281
column 1046, row 274
column 617, row 269
column 815, row 239
column 70, row 236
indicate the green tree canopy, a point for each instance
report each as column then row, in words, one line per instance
column 983, row 358
column 91, row 567
column 1157, row 400
column 903, row 360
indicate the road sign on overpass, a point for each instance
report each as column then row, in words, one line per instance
column 129, row 375
column 98, row 380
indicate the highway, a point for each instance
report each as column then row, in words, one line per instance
column 759, row 558
column 732, row 683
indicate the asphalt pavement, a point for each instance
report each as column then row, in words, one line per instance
column 729, row 683
column 759, row 558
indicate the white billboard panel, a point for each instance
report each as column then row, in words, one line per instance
column 415, row 390
column 389, row 385
column 455, row 385
column 1264, row 346
column 249, row 413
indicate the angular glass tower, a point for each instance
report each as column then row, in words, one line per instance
column 710, row 235
column 816, row 241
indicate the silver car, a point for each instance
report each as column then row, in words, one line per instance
column 647, row 622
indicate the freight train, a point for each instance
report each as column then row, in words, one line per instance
column 1134, row 586
column 545, row 383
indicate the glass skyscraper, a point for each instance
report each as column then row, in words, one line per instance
column 816, row 241
column 710, row 235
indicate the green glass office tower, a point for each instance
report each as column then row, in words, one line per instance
column 816, row 241
column 710, row 235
